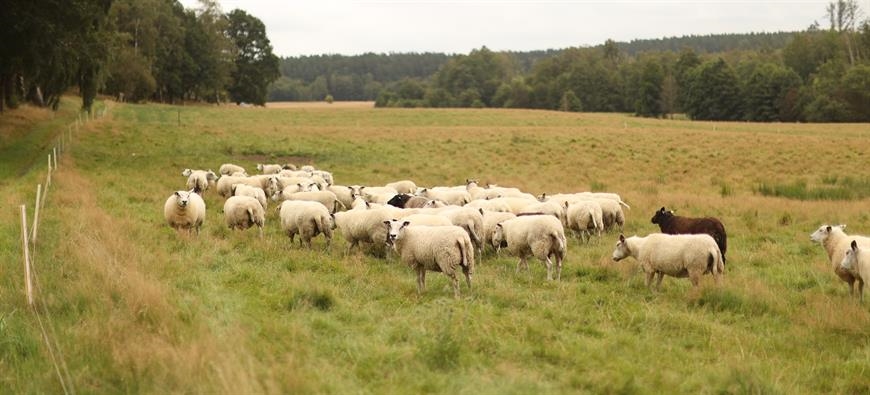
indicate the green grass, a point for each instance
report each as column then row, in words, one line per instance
column 141, row 310
column 832, row 187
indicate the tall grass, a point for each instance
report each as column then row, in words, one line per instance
column 830, row 188
column 143, row 310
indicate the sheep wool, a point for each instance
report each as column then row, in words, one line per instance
column 184, row 210
column 308, row 219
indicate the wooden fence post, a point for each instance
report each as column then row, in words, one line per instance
column 28, row 285
column 36, row 214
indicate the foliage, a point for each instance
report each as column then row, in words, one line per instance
column 713, row 92
column 255, row 64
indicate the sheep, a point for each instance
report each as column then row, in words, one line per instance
column 239, row 174
column 541, row 236
column 457, row 198
column 254, row 192
column 516, row 204
column 225, row 183
column 428, row 220
column 435, row 248
column 549, row 208
column 497, row 205
column 380, row 195
column 857, row 261
column 282, row 194
column 269, row 169
column 184, row 210
column 469, row 219
column 403, row 186
column 343, row 193
column 326, row 198
column 836, row 242
column 674, row 225
column 684, row 255
column 478, row 193
column 324, row 175
column 229, row 168
column 363, row 226
column 308, row 168
column 199, row 180
column 306, row 218
column 360, row 204
column 243, row 212
column 490, row 220
column 584, row 215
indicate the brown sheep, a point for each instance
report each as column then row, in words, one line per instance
column 675, row 225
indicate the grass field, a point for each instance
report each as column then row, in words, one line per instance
column 139, row 310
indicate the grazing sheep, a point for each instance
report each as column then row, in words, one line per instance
column 225, row 183
column 229, row 168
column 400, row 200
column 404, row 186
column 308, row 168
column 281, row 195
column 343, row 193
column 686, row 255
column 469, row 219
column 675, row 225
column 516, row 204
column 857, row 261
column 184, row 210
column 428, row 220
column 434, row 248
column 306, row 218
column 478, row 193
column 326, row 198
column 366, row 226
column 380, row 195
column 254, row 192
column 549, row 208
column 239, row 174
column 360, row 204
column 323, row 175
column 451, row 197
column 496, row 205
column 269, row 168
column 835, row 241
column 584, row 217
column 490, row 220
column 243, row 212
column 199, row 180
column 541, row 236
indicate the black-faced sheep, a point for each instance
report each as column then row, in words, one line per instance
column 676, row 225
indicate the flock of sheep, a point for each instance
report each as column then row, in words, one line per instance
column 441, row 229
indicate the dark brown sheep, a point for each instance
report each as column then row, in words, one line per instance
column 675, row 225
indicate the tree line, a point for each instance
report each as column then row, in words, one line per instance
column 135, row 50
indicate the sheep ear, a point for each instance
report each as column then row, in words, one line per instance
column 842, row 226
column 829, row 228
column 406, row 223
column 662, row 210
column 177, row 194
column 566, row 204
column 854, row 245
column 499, row 225
column 481, row 211
column 621, row 239
column 387, row 223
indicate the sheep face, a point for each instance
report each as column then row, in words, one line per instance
column 399, row 200
column 182, row 198
column 186, row 172
column 395, row 230
column 823, row 232
column 621, row 251
column 662, row 215
column 850, row 261
column 498, row 237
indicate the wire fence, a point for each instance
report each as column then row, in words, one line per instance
column 29, row 242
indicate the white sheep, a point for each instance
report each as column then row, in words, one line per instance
column 835, row 241
column 452, row 197
column 243, row 212
column 343, row 193
column 269, row 168
column 184, row 210
column 434, row 248
column 675, row 255
column 229, row 168
column 516, row 204
column 199, row 180
column 547, row 208
column 490, row 220
column 326, row 198
column 469, row 219
column 584, row 217
column 254, row 192
column 306, row 218
column 364, row 226
column 857, row 261
column 324, row 175
column 281, row 194
column 225, row 183
column 403, row 186
column 427, row 220
column 380, row 195
column 478, row 193
column 490, row 205
column 541, row 236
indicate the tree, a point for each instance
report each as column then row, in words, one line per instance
column 844, row 16
column 769, row 92
column 648, row 103
column 712, row 92
column 570, row 102
column 670, row 93
column 255, row 64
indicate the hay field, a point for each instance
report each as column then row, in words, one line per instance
column 143, row 311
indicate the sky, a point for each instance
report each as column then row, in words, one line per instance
column 347, row 27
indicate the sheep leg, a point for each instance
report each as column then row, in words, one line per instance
column 659, row 277
column 519, row 264
column 851, row 282
column 455, row 282
column 649, row 278
column 467, row 272
column 549, row 265
column 421, row 279
column 696, row 278
column 559, row 268
column 861, row 290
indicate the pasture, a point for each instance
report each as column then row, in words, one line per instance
column 141, row 310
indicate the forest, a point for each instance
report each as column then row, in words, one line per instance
column 133, row 50
column 821, row 74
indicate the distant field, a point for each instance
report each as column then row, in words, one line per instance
column 320, row 104
column 141, row 310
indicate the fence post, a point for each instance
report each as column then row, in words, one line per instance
column 28, row 285
column 36, row 214
column 55, row 157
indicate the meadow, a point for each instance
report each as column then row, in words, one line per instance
column 138, row 309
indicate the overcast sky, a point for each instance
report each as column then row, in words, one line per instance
column 313, row 27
